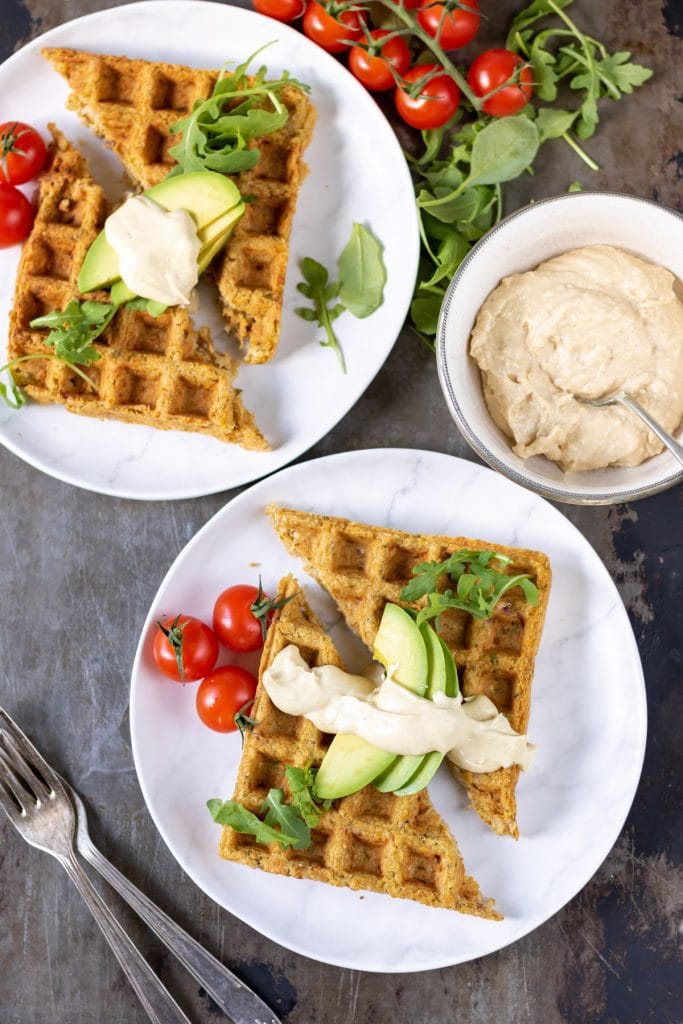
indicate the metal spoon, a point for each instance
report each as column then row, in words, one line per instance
column 618, row 398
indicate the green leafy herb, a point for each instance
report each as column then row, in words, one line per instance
column 480, row 583
column 232, row 813
column 317, row 287
column 360, row 288
column 287, row 818
column 217, row 135
column 522, row 22
column 263, row 606
column 150, row 306
column 74, row 329
column 300, row 782
column 362, row 274
column 11, row 393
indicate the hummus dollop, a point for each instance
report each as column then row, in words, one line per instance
column 584, row 324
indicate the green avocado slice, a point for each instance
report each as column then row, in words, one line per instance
column 351, row 762
column 214, row 203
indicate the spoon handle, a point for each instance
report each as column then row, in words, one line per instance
column 674, row 447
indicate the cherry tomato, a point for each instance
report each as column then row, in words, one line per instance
column 16, row 216
column 328, row 31
column 22, row 152
column 234, row 622
column 222, row 694
column 375, row 72
column 184, row 640
column 409, row 5
column 436, row 102
column 459, row 25
column 490, row 70
column 281, row 10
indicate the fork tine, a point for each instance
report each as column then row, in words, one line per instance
column 22, row 768
column 7, row 803
column 10, row 783
column 35, row 762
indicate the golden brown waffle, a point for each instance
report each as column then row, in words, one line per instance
column 370, row 840
column 132, row 105
column 155, row 371
column 363, row 567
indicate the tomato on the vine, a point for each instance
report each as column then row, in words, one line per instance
column 16, row 215
column 281, row 10
column 185, row 649
column 409, row 5
column 22, row 152
column 222, row 695
column 436, row 102
column 375, row 71
column 329, row 30
column 458, row 26
column 489, row 71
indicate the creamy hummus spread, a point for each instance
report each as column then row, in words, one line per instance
column 471, row 732
column 157, row 250
column 587, row 323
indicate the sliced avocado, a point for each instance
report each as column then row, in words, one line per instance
column 351, row 762
column 213, row 201
column 412, row 773
column 398, row 642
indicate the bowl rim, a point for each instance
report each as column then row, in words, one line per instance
column 575, row 496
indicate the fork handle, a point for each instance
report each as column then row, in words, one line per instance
column 674, row 447
column 225, row 988
column 158, row 1002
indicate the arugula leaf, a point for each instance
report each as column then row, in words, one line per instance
column 150, row 306
column 217, row 135
column 523, row 21
column 553, row 123
column 575, row 186
column 315, row 287
column 362, row 274
column 11, row 394
column 75, row 328
column 503, row 150
column 424, row 311
column 232, row 813
column 479, row 584
column 300, row 782
column 287, row 817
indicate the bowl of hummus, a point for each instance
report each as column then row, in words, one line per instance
column 570, row 299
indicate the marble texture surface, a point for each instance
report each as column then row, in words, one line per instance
column 80, row 571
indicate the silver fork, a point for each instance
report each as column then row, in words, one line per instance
column 35, row 801
column 237, row 1000
column 619, row 398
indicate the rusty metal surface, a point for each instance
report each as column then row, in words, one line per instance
column 79, row 571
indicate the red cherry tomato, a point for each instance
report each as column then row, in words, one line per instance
column 459, row 25
column 375, row 71
column 22, row 152
column 184, row 640
column 222, row 694
column 409, row 5
column 234, row 622
column 490, row 70
column 328, row 31
column 281, row 10
column 16, row 216
column 436, row 102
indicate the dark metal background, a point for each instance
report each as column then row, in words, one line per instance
column 79, row 571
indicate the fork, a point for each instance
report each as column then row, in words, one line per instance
column 619, row 398
column 234, row 997
column 35, row 801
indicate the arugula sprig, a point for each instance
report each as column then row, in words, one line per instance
column 358, row 289
column 242, row 107
column 280, row 822
column 479, row 580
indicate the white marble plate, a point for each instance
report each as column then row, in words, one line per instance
column 588, row 717
column 357, row 173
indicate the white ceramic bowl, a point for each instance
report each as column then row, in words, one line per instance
column 520, row 242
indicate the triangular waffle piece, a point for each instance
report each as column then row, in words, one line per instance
column 156, row 371
column 132, row 105
column 370, row 840
column 363, row 567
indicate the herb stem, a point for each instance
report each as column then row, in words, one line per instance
column 580, row 152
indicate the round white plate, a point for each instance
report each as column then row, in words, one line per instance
column 357, row 173
column 588, row 717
